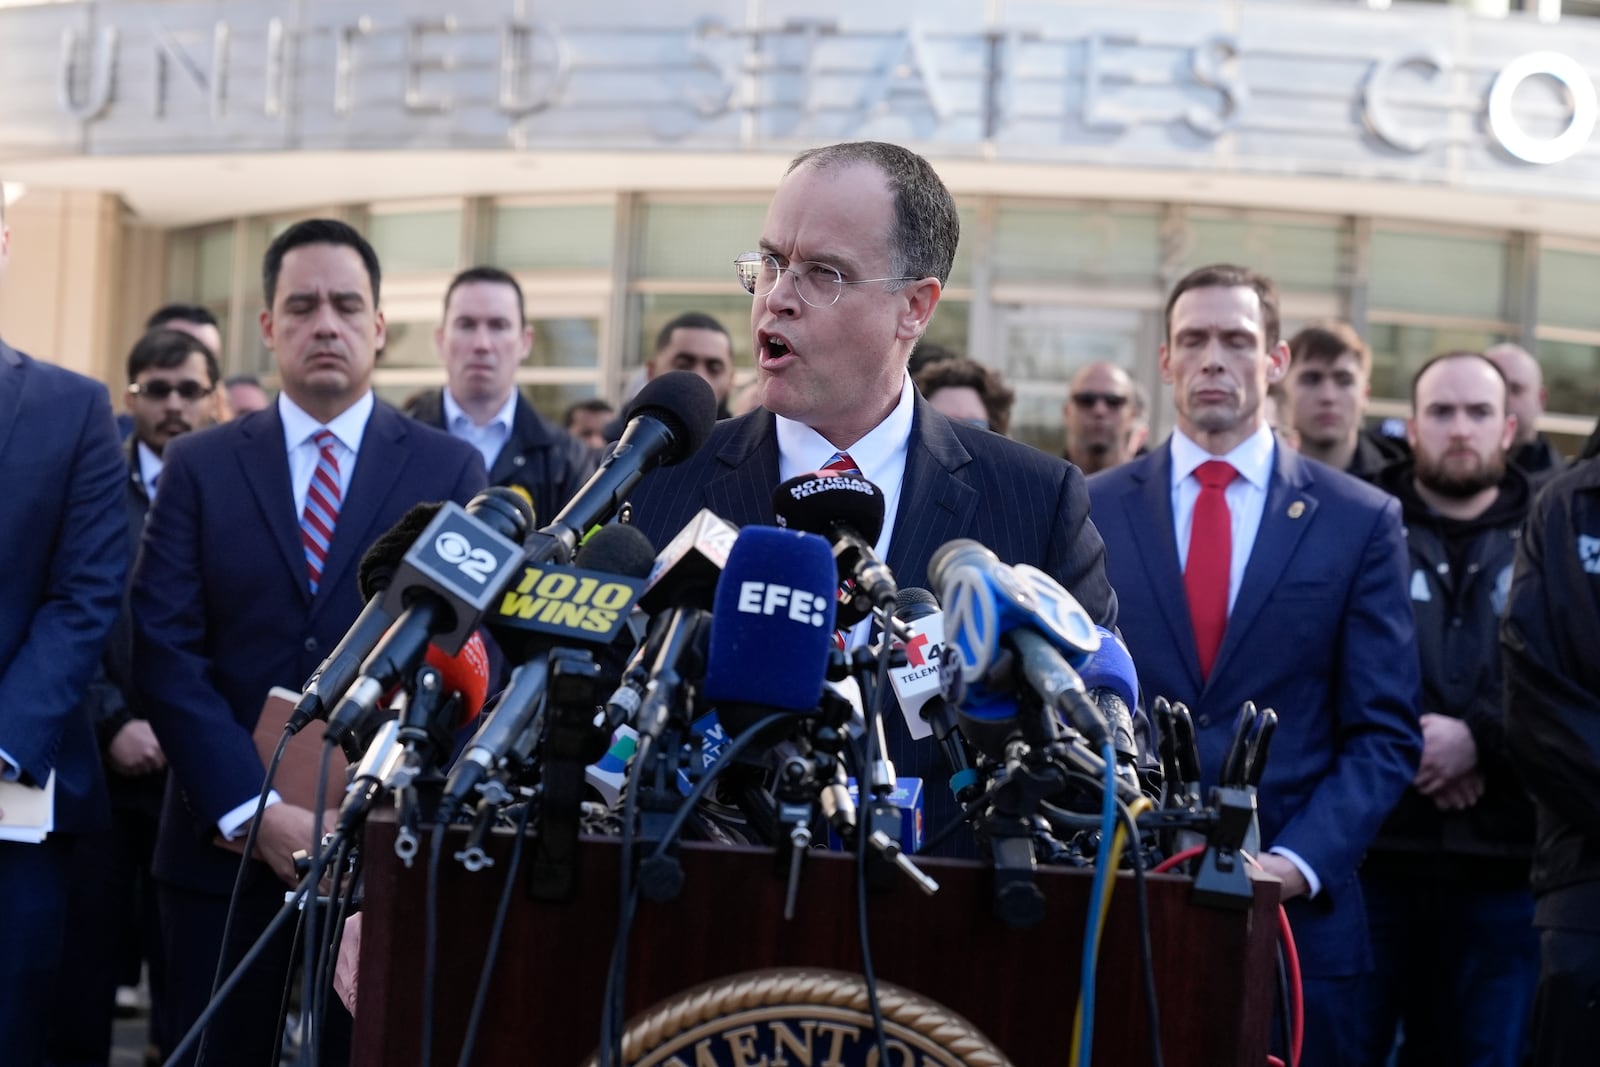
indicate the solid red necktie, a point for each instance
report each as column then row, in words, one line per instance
column 1205, row 577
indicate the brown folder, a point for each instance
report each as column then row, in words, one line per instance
column 296, row 780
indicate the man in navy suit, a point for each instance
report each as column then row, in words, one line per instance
column 853, row 257
column 1284, row 584
column 63, row 538
column 240, row 587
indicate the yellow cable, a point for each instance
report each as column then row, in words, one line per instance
column 1119, row 841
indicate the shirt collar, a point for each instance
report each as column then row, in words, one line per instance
column 802, row 449
column 149, row 465
column 1252, row 457
column 347, row 426
column 453, row 412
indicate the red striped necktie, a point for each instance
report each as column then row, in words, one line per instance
column 322, row 507
column 841, row 463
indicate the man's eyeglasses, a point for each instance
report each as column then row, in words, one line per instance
column 158, row 389
column 1086, row 401
column 817, row 283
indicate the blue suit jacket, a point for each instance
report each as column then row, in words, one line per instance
column 223, row 611
column 64, row 536
column 1321, row 631
column 960, row 481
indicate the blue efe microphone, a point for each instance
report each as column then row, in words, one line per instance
column 771, row 626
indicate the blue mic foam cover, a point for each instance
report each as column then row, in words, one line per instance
column 771, row 626
column 1112, row 667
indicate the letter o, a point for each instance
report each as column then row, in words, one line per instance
column 1564, row 69
column 611, row 596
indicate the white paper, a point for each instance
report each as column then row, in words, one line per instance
column 27, row 813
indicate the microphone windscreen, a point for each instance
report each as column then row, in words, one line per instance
column 466, row 673
column 617, row 549
column 1111, row 667
column 815, row 503
column 378, row 566
column 771, row 626
column 507, row 509
column 911, row 604
column 685, row 403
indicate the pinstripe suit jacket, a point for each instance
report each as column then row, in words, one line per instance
column 960, row 481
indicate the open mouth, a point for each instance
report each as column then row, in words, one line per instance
column 773, row 350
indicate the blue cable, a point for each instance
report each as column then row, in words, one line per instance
column 1108, row 827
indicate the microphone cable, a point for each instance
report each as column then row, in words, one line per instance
column 492, row 951
column 244, row 866
column 309, row 1034
column 1291, row 959
column 290, row 909
column 873, row 715
column 341, row 898
column 430, row 941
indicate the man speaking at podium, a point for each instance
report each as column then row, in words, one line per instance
column 856, row 249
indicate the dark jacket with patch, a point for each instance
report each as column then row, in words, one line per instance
column 539, row 456
column 1551, row 642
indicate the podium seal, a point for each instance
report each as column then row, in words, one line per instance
column 801, row 1017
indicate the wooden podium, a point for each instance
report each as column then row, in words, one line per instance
column 1214, row 969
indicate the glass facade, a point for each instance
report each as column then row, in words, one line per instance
column 1039, row 288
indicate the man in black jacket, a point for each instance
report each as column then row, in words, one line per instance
column 1446, row 880
column 1553, row 734
column 485, row 336
column 1530, row 450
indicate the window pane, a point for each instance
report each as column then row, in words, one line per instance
column 577, row 236
column 1295, row 255
column 697, row 240
column 552, row 401
column 1572, row 375
column 1568, row 282
column 1397, row 352
column 1095, row 247
column 213, row 281
column 416, row 241
column 1446, row 274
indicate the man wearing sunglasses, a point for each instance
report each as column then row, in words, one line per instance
column 851, row 262
column 1101, row 418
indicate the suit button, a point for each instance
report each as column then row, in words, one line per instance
column 311, row 644
column 1202, row 720
column 519, row 461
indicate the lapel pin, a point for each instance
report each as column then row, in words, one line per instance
column 1297, row 509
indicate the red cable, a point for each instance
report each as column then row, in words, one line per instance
column 1297, row 1011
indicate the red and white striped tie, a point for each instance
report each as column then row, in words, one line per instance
column 841, row 463
column 322, row 507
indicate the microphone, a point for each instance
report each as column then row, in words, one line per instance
column 771, row 627
column 683, row 575
column 374, row 573
column 512, row 714
column 384, row 757
column 667, row 422
column 919, row 686
column 848, row 511
column 446, row 699
column 446, row 581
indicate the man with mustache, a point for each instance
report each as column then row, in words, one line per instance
column 1446, row 881
column 112, row 928
column 1245, row 572
column 246, row 579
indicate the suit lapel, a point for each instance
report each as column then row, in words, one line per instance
column 1148, row 515
column 1287, row 515
column 264, row 466
column 378, row 466
column 740, row 487
column 935, row 505
column 11, row 376
column 527, row 433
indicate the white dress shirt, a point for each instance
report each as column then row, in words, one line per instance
column 490, row 438
column 880, row 455
column 149, row 469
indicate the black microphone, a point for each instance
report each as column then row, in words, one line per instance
column 375, row 572
column 848, row 511
column 512, row 715
column 448, row 578
column 667, row 422
column 921, row 699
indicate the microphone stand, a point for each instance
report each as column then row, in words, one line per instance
column 573, row 741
